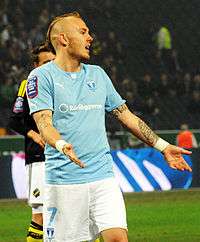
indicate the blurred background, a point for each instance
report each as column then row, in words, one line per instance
column 160, row 81
column 149, row 49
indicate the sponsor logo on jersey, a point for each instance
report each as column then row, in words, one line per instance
column 18, row 106
column 91, row 85
column 32, row 87
column 78, row 107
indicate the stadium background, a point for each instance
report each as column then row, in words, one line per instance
column 125, row 46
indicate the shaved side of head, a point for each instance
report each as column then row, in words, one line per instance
column 56, row 27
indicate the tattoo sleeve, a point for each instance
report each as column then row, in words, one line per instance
column 148, row 134
column 117, row 111
column 44, row 121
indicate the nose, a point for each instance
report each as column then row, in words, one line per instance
column 89, row 39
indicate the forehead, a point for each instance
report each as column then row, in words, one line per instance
column 74, row 23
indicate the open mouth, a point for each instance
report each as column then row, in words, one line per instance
column 87, row 47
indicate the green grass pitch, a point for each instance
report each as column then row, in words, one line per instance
column 172, row 216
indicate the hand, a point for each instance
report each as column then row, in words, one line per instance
column 68, row 150
column 173, row 156
column 37, row 138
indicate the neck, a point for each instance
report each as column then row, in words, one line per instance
column 67, row 63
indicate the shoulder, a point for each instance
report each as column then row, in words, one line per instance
column 42, row 70
column 93, row 67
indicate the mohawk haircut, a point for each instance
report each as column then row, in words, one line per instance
column 53, row 22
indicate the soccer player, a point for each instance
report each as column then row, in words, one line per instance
column 68, row 100
column 23, row 123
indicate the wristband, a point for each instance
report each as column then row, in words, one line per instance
column 60, row 145
column 161, row 144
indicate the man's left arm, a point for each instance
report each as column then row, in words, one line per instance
column 141, row 130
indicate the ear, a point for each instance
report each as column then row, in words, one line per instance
column 63, row 39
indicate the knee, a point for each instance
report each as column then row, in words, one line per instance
column 115, row 235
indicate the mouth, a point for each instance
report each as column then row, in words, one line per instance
column 87, row 47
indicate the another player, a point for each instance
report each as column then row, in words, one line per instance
column 24, row 124
column 68, row 100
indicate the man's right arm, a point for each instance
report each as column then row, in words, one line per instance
column 52, row 137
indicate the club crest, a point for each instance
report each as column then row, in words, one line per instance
column 91, row 85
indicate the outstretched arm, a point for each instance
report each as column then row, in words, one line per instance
column 141, row 130
column 51, row 135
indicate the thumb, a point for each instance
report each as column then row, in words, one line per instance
column 186, row 152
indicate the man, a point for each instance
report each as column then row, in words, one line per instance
column 186, row 138
column 68, row 100
column 24, row 124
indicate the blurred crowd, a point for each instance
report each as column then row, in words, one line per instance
column 165, row 95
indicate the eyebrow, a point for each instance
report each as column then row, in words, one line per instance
column 84, row 28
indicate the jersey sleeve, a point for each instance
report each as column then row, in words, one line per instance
column 39, row 91
column 16, row 120
column 113, row 99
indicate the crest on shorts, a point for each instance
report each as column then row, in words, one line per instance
column 32, row 87
column 91, row 85
column 50, row 233
column 18, row 106
column 36, row 192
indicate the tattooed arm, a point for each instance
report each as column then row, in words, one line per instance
column 43, row 120
column 172, row 154
column 136, row 126
column 51, row 135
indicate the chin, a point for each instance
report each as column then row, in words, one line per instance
column 85, row 57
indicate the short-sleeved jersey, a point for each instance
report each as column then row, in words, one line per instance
column 22, row 122
column 78, row 101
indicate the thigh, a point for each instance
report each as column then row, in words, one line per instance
column 66, row 213
column 35, row 175
column 107, row 210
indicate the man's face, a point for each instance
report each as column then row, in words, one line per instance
column 45, row 57
column 79, row 39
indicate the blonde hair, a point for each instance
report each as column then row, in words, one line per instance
column 52, row 24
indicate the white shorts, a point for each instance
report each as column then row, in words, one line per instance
column 79, row 212
column 35, row 177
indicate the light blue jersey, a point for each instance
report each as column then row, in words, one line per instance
column 78, row 101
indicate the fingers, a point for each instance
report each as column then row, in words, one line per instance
column 68, row 150
column 42, row 144
column 186, row 152
column 182, row 166
column 77, row 161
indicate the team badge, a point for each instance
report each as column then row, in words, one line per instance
column 18, row 106
column 50, row 233
column 91, row 84
column 32, row 87
column 36, row 192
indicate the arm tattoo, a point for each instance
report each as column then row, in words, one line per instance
column 117, row 111
column 44, row 121
column 150, row 136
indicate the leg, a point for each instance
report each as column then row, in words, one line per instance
column 35, row 199
column 35, row 231
column 115, row 235
column 37, row 218
column 108, row 214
